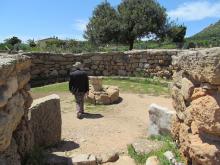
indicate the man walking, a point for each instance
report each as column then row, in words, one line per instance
column 79, row 86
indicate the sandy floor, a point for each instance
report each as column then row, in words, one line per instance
column 109, row 130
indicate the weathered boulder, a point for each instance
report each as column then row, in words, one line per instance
column 45, row 120
column 202, row 65
column 107, row 157
column 160, row 120
column 204, row 114
column 187, row 88
column 113, row 93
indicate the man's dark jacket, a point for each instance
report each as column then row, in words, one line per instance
column 79, row 81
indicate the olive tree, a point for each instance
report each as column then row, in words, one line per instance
column 103, row 25
column 140, row 18
column 131, row 20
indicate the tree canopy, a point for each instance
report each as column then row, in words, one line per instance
column 177, row 34
column 131, row 20
column 13, row 41
column 103, row 26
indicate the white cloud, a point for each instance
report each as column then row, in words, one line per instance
column 80, row 24
column 195, row 11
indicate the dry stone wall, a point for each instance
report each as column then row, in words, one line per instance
column 22, row 127
column 14, row 103
column 196, row 98
column 49, row 68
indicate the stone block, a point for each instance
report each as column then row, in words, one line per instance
column 113, row 93
column 205, row 113
column 45, row 119
column 187, row 88
column 160, row 120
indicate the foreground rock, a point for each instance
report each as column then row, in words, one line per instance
column 160, row 120
column 153, row 160
column 196, row 98
column 145, row 146
column 45, row 119
column 123, row 160
column 107, row 157
column 84, row 159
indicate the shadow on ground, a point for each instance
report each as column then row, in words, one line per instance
column 63, row 146
column 58, row 153
column 92, row 116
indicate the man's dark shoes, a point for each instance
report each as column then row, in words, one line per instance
column 79, row 116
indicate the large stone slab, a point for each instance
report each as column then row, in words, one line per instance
column 45, row 119
column 160, row 120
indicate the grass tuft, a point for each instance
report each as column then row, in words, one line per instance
column 169, row 145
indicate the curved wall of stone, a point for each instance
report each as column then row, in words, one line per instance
column 49, row 68
column 15, row 100
column 196, row 98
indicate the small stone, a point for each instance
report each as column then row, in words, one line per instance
column 153, row 160
column 169, row 155
column 108, row 157
column 54, row 73
column 83, row 159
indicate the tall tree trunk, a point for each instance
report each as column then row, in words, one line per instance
column 131, row 44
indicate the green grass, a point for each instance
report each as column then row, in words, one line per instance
column 94, row 108
column 131, row 85
column 169, row 145
column 58, row 87
column 139, row 85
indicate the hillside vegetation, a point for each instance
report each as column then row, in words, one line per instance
column 208, row 37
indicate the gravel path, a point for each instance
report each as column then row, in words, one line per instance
column 108, row 130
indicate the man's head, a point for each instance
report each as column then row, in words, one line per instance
column 78, row 65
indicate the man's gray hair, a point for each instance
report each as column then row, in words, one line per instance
column 78, row 65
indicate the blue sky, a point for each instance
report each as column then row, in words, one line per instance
column 66, row 19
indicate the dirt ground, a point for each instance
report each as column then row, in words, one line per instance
column 111, row 129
